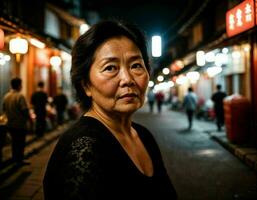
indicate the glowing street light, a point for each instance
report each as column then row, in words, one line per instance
column 200, row 58
column 56, row 62
column 165, row 71
column 18, row 46
column 83, row 28
column 150, row 84
column 160, row 78
column 37, row 43
column 156, row 46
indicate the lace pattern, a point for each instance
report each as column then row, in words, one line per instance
column 80, row 167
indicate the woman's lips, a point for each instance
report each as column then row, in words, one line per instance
column 128, row 95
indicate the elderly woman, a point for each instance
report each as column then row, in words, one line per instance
column 105, row 155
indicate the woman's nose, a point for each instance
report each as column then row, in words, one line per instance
column 126, row 78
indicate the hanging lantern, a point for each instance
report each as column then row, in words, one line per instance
column 18, row 46
column 1, row 39
column 55, row 61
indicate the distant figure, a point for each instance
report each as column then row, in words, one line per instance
column 16, row 109
column 151, row 99
column 60, row 102
column 159, row 96
column 190, row 103
column 3, row 132
column 217, row 98
column 39, row 101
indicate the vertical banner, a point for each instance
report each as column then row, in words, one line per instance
column 240, row 18
column 1, row 39
column 256, row 12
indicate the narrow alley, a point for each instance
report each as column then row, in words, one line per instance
column 199, row 167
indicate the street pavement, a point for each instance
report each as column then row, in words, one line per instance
column 24, row 183
column 198, row 165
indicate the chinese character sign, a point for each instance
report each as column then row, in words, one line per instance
column 240, row 18
column 1, row 39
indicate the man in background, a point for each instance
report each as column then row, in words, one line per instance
column 60, row 102
column 159, row 96
column 189, row 103
column 217, row 98
column 39, row 101
column 16, row 109
column 150, row 99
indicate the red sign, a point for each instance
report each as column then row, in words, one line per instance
column 256, row 12
column 240, row 18
column 1, row 39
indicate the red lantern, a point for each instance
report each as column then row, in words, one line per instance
column 1, row 39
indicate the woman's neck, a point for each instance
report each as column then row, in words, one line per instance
column 116, row 123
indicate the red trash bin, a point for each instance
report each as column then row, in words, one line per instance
column 237, row 118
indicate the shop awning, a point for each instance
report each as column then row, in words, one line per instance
column 11, row 28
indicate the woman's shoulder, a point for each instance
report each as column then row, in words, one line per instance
column 85, row 126
column 82, row 138
column 85, row 129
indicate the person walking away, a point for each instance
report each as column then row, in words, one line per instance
column 60, row 102
column 3, row 133
column 17, row 112
column 190, row 103
column 105, row 155
column 218, row 98
column 39, row 102
column 150, row 99
column 159, row 98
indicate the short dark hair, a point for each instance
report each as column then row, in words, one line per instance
column 190, row 89
column 84, row 50
column 218, row 86
column 41, row 84
column 16, row 83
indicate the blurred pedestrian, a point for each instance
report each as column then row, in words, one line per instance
column 150, row 99
column 105, row 155
column 189, row 104
column 16, row 109
column 39, row 102
column 218, row 98
column 3, row 133
column 60, row 102
column 159, row 96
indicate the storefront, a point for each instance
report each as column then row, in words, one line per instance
column 5, row 74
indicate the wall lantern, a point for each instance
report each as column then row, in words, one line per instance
column 200, row 58
column 56, row 62
column 1, row 39
column 18, row 46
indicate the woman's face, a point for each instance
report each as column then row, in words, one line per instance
column 118, row 77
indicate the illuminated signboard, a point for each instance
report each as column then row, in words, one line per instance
column 1, row 39
column 240, row 18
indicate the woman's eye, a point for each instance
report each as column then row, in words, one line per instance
column 136, row 66
column 110, row 68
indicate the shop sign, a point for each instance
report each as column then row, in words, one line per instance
column 240, row 18
column 255, row 11
column 1, row 39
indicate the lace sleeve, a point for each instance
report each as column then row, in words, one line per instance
column 81, row 171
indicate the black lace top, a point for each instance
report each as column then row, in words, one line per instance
column 89, row 163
